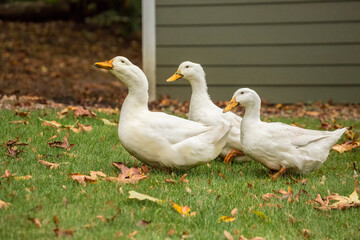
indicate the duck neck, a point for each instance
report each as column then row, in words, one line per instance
column 138, row 97
column 200, row 92
column 252, row 113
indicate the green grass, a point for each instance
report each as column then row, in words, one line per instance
column 96, row 150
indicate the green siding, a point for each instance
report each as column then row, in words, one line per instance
column 287, row 50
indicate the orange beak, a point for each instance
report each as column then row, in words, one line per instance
column 231, row 105
column 175, row 77
column 105, row 65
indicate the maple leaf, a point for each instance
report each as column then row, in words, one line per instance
column 82, row 179
column 346, row 146
column 4, row 204
column 226, row 219
column 129, row 175
column 48, row 164
column 65, row 144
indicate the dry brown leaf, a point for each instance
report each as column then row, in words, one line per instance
column 228, row 235
column 65, row 144
column 80, row 128
column 82, row 179
column 128, row 175
column 143, row 223
column 48, row 164
column 83, row 112
column 12, row 152
column 19, row 122
column 95, row 174
column 50, row 123
column 268, row 196
column 36, row 221
column 347, row 146
column 187, row 189
column 4, row 204
column 63, row 232
column 22, row 114
column 131, row 235
column 182, row 179
column 221, row 175
column 341, row 202
column 7, row 174
column 234, row 212
column 169, row 180
column 171, row 232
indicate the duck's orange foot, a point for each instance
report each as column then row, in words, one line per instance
column 279, row 173
column 231, row 155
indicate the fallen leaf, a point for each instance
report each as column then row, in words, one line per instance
column 50, row 123
column 306, row 233
column 221, row 175
column 95, row 174
column 341, row 202
column 63, row 232
column 182, row 179
column 22, row 177
column 188, row 189
column 140, row 196
column 131, row 235
column 83, row 112
column 12, row 152
column 128, row 175
column 7, row 174
column 183, row 210
column 226, row 219
column 4, row 204
column 80, row 128
column 234, row 212
column 107, row 122
column 22, row 114
column 65, row 144
column 228, row 235
column 20, row 121
column 169, row 180
column 143, row 223
column 82, row 179
column 171, row 232
column 268, row 196
column 48, row 164
column 347, row 146
column 36, row 221
column 261, row 215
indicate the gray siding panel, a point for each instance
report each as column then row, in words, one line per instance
column 241, row 14
column 292, row 76
column 255, row 35
column 263, row 55
column 287, row 50
column 274, row 94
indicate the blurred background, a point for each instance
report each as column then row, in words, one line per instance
column 48, row 48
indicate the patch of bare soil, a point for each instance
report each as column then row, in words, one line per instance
column 54, row 60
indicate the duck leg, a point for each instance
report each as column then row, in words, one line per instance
column 234, row 153
column 280, row 173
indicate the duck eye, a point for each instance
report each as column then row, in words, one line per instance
column 242, row 93
column 187, row 66
column 122, row 61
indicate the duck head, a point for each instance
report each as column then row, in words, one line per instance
column 189, row 70
column 124, row 70
column 245, row 97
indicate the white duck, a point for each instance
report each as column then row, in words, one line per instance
column 156, row 138
column 279, row 146
column 203, row 110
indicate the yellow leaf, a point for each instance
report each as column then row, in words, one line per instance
column 107, row 122
column 22, row 177
column 183, row 210
column 226, row 219
column 140, row 196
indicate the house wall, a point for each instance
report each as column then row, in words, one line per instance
column 285, row 50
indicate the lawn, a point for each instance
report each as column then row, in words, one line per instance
column 103, row 210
